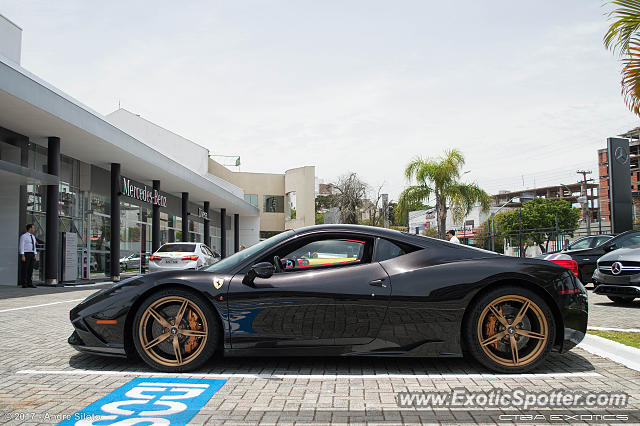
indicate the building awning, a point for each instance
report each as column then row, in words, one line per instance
column 32, row 107
column 11, row 173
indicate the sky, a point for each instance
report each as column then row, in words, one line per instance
column 525, row 90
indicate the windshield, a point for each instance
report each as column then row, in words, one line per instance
column 234, row 260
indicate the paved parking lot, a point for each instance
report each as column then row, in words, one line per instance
column 604, row 313
column 43, row 379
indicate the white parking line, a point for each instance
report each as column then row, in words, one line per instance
column 312, row 376
column 39, row 306
column 89, row 285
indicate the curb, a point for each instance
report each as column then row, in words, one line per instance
column 616, row 352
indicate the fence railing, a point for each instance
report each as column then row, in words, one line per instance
column 527, row 242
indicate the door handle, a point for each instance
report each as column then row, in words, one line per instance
column 378, row 283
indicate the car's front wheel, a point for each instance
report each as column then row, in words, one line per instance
column 509, row 329
column 621, row 300
column 175, row 330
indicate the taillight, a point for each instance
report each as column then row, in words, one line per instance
column 570, row 291
column 155, row 258
column 192, row 257
column 567, row 263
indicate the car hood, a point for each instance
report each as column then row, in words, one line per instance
column 629, row 254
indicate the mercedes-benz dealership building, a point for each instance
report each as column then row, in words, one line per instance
column 78, row 176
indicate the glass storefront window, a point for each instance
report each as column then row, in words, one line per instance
column 37, row 158
column 9, row 152
column 196, row 231
column 135, row 238
column 273, row 204
column 100, row 237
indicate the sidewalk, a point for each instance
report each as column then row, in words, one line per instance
column 13, row 292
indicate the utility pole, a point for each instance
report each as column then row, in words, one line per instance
column 385, row 210
column 586, row 213
column 520, row 232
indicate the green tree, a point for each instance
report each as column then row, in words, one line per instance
column 623, row 37
column 325, row 202
column 538, row 220
column 393, row 206
column 440, row 178
column 483, row 238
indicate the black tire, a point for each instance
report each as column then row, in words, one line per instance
column 163, row 353
column 499, row 354
column 621, row 300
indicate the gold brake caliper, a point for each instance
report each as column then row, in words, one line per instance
column 490, row 327
column 192, row 342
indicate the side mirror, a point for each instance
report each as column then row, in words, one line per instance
column 259, row 270
column 609, row 248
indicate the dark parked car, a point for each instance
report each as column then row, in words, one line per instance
column 587, row 258
column 618, row 275
column 590, row 241
column 334, row 290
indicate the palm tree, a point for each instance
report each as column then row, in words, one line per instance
column 439, row 177
column 624, row 38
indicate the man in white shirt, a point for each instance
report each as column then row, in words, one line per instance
column 451, row 237
column 28, row 253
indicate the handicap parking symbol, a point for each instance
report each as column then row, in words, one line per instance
column 145, row 401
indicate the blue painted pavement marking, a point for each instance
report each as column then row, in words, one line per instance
column 154, row 401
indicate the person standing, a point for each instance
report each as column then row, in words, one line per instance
column 28, row 253
column 451, row 237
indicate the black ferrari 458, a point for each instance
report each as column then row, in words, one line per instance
column 335, row 290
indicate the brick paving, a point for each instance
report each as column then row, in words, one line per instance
column 604, row 313
column 35, row 339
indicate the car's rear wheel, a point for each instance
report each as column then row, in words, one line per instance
column 509, row 329
column 621, row 300
column 175, row 330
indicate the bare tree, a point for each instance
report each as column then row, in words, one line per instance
column 375, row 210
column 350, row 196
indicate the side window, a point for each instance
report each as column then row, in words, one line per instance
column 206, row 251
column 386, row 250
column 324, row 253
column 582, row 244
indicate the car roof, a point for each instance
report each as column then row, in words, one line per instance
column 372, row 231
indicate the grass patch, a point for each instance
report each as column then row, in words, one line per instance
column 626, row 338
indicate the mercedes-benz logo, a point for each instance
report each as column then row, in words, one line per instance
column 616, row 268
column 621, row 155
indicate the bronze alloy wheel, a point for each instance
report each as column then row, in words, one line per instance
column 173, row 331
column 512, row 330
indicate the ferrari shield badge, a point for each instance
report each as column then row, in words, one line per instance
column 217, row 283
